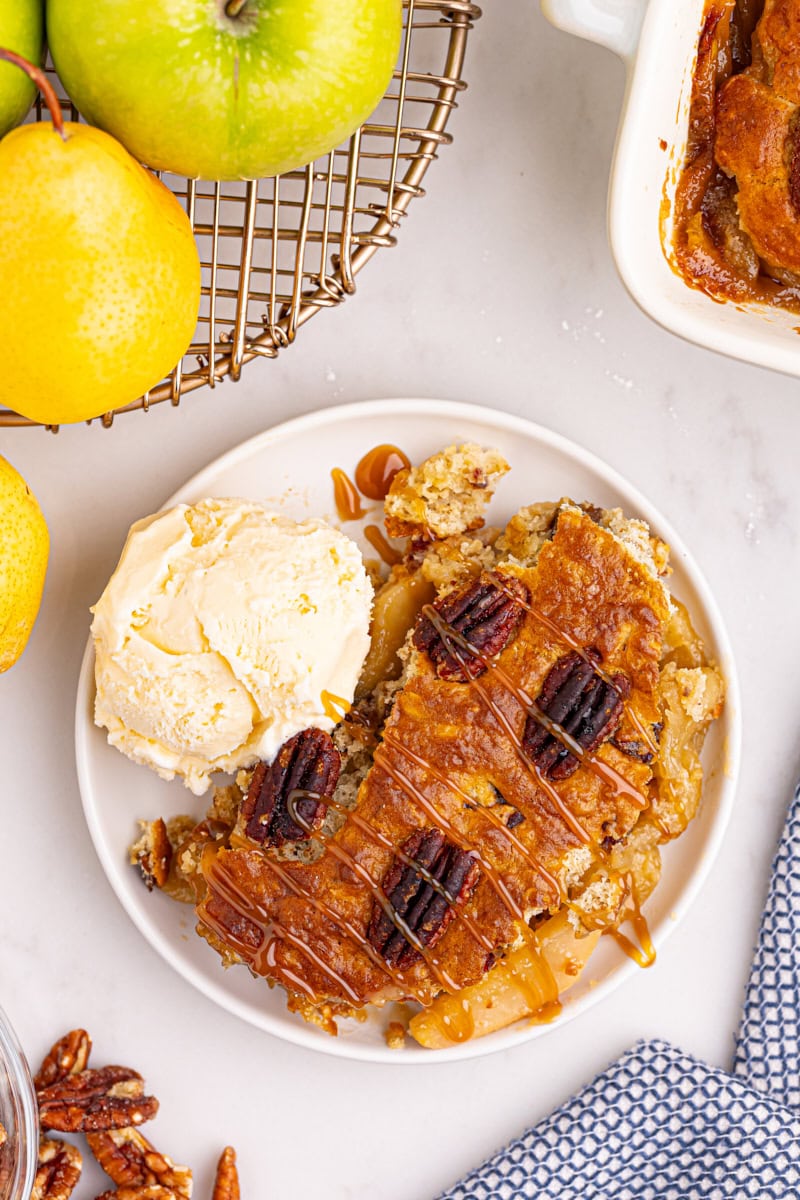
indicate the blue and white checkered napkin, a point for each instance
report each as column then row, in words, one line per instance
column 658, row 1124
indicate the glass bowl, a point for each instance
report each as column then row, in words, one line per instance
column 18, row 1116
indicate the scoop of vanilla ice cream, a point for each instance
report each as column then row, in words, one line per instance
column 225, row 630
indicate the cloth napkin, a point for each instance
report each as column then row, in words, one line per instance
column 660, row 1125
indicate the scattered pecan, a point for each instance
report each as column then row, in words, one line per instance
column 153, row 1191
column 580, row 703
column 416, row 903
column 303, row 775
column 6, row 1164
column 461, row 630
column 68, row 1056
column 58, row 1171
column 110, row 1098
column 131, row 1161
column 226, row 1182
column 152, row 853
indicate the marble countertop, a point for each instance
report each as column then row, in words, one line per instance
column 502, row 292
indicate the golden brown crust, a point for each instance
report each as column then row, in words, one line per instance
column 754, row 140
column 737, row 206
column 447, row 747
column 776, row 48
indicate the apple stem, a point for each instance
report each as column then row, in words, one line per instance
column 234, row 7
column 44, row 85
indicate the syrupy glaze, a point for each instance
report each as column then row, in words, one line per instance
column 377, row 469
column 262, row 960
column 380, row 839
column 705, row 198
column 566, row 639
column 541, row 992
column 346, row 497
column 441, row 822
column 644, row 955
column 381, row 546
column 335, row 707
column 603, row 770
column 484, row 810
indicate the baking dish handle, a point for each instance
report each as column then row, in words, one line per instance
column 612, row 23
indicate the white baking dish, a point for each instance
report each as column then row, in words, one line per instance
column 658, row 41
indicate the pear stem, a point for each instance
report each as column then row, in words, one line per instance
column 44, row 85
column 234, row 7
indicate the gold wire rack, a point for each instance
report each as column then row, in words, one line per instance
column 276, row 251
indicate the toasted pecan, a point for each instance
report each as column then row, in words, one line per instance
column 423, row 887
column 461, row 630
column 226, row 1181
column 68, row 1056
column 58, row 1170
column 130, row 1160
column 109, row 1098
column 286, row 798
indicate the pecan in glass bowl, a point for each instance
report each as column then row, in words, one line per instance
column 19, row 1120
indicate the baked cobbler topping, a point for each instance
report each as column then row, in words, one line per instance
column 737, row 206
column 525, row 735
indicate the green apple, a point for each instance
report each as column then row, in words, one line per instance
column 21, row 29
column 225, row 89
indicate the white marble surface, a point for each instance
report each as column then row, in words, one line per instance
column 502, row 292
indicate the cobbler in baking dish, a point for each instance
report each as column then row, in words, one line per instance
column 525, row 736
column 737, row 206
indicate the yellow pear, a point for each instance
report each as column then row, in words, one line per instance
column 24, row 546
column 99, row 272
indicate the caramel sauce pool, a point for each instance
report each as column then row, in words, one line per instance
column 381, row 546
column 377, row 469
column 346, row 497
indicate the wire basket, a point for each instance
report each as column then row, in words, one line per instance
column 276, row 251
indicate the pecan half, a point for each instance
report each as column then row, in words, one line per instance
column 296, row 785
column 58, row 1171
column 461, row 630
column 226, row 1182
column 110, row 1098
column 153, row 1191
column 6, row 1162
column 575, row 700
column 68, row 1056
column 418, row 906
column 152, row 853
column 131, row 1161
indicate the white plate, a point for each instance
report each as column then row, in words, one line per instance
column 289, row 467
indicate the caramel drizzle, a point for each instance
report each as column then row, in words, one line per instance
column 486, row 811
column 380, row 839
column 454, row 642
column 644, row 955
column 254, row 913
column 377, row 469
column 219, row 878
column 263, row 958
column 345, row 495
column 447, row 828
column 567, row 639
column 381, row 546
column 335, row 707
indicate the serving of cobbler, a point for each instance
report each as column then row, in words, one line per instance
column 524, row 738
column 737, row 208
